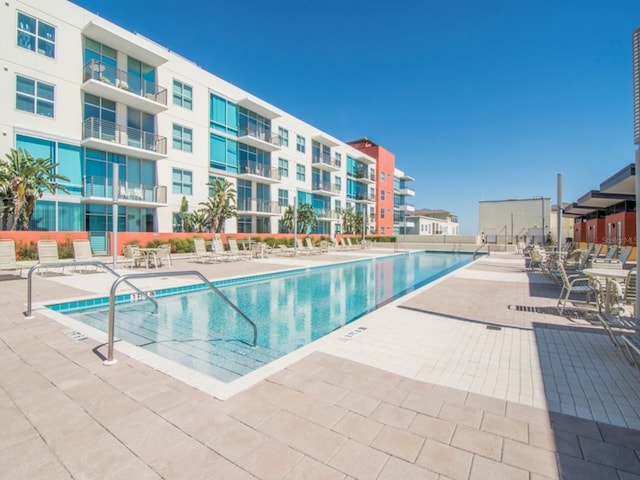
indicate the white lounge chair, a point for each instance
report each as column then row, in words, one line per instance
column 48, row 253
column 82, row 253
column 235, row 250
column 8, row 260
column 201, row 253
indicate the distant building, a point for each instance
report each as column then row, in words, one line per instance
column 401, row 207
column 515, row 220
column 432, row 222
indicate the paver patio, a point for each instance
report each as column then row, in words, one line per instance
column 426, row 391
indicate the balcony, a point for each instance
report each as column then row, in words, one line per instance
column 407, row 207
column 259, row 171
column 364, row 175
column 326, row 187
column 326, row 214
column 255, row 206
column 405, row 192
column 104, row 135
column 258, row 137
column 108, row 82
column 100, row 190
column 365, row 197
column 326, row 163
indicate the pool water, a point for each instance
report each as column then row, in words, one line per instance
column 201, row 331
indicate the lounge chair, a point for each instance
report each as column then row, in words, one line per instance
column 201, row 254
column 48, row 253
column 8, row 257
column 576, row 284
column 284, row 250
column 82, row 253
column 612, row 250
column 221, row 253
column 235, row 250
column 624, row 254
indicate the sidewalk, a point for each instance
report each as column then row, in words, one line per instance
column 472, row 377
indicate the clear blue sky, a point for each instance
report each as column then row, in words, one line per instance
column 477, row 99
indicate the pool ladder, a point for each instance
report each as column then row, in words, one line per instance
column 124, row 278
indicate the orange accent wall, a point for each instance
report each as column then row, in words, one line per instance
column 385, row 162
column 596, row 231
column 628, row 225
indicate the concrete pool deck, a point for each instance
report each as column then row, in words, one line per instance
column 472, row 377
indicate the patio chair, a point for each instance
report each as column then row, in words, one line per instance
column 576, row 284
column 164, row 253
column 221, row 253
column 310, row 246
column 624, row 254
column 82, row 253
column 284, row 250
column 615, row 327
column 612, row 250
column 133, row 256
column 8, row 256
column 48, row 253
column 235, row 250
column 201, row 253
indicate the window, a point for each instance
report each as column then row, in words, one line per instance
column 283, row 197
column 101, row 60
column 383, row 177
column 182, row 138
column 34, row 96
column 382, row 195
column 300, row 144
column 223, row 115
column 182, row 95
column 284, row 136
column 283, row 167
column 223, row 153
column 300, row 173
column 382, row 213
column 182, row 182
column 212, row 180
column 36, row 35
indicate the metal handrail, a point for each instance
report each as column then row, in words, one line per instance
column 96, row 263
column 123, row 278
column 481, row 247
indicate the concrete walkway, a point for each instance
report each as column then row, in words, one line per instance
column 472, row 377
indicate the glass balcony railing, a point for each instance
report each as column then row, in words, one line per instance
column 326, row 187
column 131, row 137
column 135, row 84
column 102, row 187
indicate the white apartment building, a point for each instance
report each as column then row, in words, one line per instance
column 90, row 95
column 401, row 206
column 433, row 222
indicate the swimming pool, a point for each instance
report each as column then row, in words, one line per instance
column 197, row 329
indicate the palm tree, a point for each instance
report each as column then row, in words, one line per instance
column 348, row 219
column 287, row 218
column 306, row 218
column 221, row 205
column 6, row 197
column 197, row 221
column 29, row 178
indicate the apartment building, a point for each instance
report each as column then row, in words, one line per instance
column 92, row 95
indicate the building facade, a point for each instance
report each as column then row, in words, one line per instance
column 103, row 102
column 433, row 222
column 515, row 220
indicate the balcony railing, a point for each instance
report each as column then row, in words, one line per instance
column 365, row 197
column 257, row 205
column 326, row 213
column 132, row 137
column 366, row 174
column 326, row 160
column 102, row 187
column 255, row 168
column 260, row 133
column 126, row 81
column 327, row 187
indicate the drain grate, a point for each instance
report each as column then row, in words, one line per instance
column 75, row 335
column 493, row 327
column 524, row 308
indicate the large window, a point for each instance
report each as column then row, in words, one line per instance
column 34, row 96
column 182, row 183
column 300, row 144
column 99, row 54
column 283, row 197
column 300, row 173
column 254, row 125
column 223, row 114
column 36, row 35
column 284, row 136
column 182, row 95
column 223, row 153
column 182, row 138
